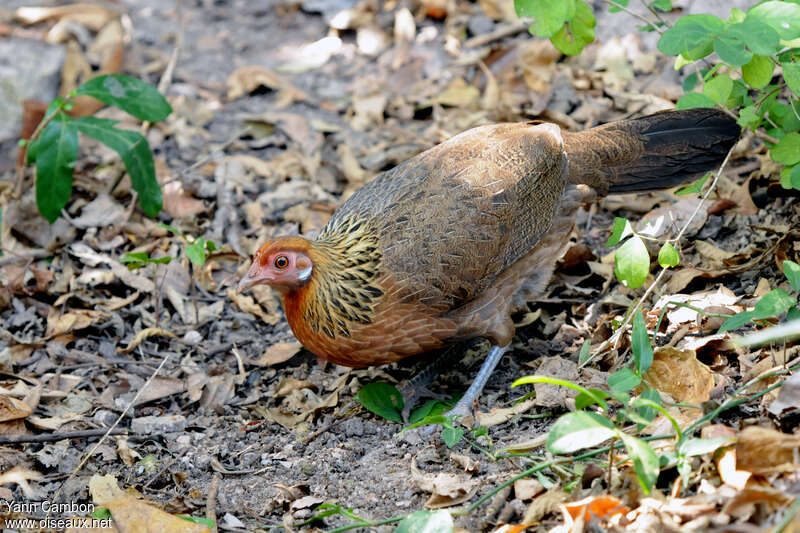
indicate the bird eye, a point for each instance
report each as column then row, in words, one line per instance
column 281, row 262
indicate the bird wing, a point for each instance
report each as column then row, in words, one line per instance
column 452, row 218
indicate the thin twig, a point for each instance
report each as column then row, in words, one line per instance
column 211, row 500
column 614, row 339
column 632, row 13
column 53, row 437
column 110, row 429
column 505, row 31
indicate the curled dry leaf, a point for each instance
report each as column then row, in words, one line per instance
column 527, row 488
column 767, row 451
column 13, row 409
column 58, row 324
column 93, row 16
column 681, row 375
column 144, row 335
column 248, row 305
column 584, row 510
column 537, row 59
column 130, row 513
column 725, row 458
column 278, row 353
column 21, row 477
column 459, row 94
column 466, row 462
column 247, row 79
column 178, row 203
column 446, row 489
column 501, row 415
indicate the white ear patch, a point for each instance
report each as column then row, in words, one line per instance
column 305, row 273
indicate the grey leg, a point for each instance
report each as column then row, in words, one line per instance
column 464, row 405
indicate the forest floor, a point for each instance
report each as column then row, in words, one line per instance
column 281, row 110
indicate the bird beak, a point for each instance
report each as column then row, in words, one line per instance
column 250, row 279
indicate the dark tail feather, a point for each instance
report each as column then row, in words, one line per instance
column 654, row 152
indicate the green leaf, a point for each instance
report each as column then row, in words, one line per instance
column 549, row 15
column 170, row 229
column 758, row 72
column 101, row 514
column 579, row 430
column 694, row 447
column 583, row 400
column 760, row 38
column 196, row 252
column 429, row 408
column 577, row 32
column 736, row 321
column 690, row 82
column 623, row 380
column 202, row 520
column 783, row 17
column 791, row 73
column 748, row 118
column 382, row 399
column 787, row 151
column 663, row 5
column 426, row 522
column 132, row 147
column 640, row 344
column 622, row 228
column 452, row 435
column 645, row 461
column 56, row 152
column 647, row 412
column 730, row 48
column 792, row 272
column 692, row 36
column 614, row 9
column 585, row 352
column 632, row 262
column 774, row 303
column 719, row 88
column 692, row 100
column 668, row 256
column 133, row 96
column 694, row 188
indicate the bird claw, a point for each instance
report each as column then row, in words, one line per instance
column 412, row 393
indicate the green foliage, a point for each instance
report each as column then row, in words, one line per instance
column 382, row 399
column 426, row 522
column 731, row 64
column 202, row 520
column 197, row 249
column 137, row 260
column 54, row 148
column 774, row 304
column 569, row 24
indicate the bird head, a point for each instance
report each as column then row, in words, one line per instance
column 283, row 263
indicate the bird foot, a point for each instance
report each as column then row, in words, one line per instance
column 412, row 394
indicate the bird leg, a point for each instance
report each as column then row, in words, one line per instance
column 464, row 405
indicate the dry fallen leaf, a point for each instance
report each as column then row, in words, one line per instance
column 144, row 335
column 527, row 488
column 446, row 489
column 681, row 375
column 278, row 353
column 13, row 409
column 501, row 415
column 21, row 477
column 93, row 16
column 767, row 451
column 58, row 324
column 592, row 507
